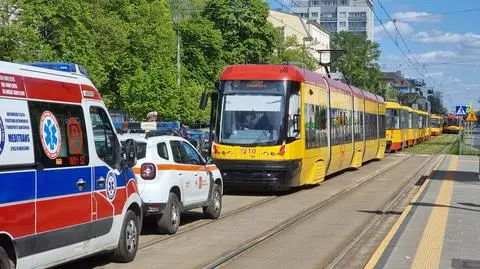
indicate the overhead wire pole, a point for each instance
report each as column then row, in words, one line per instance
column 176, row 22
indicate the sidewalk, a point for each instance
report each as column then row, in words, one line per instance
column 441, row 226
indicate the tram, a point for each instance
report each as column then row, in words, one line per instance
column 436, row 123
column 280, row 126
column 396, row 126
column 454, row 124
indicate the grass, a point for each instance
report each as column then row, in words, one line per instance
column 466, row 148
column 434, row 145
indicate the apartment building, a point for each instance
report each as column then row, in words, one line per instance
column 338, row 15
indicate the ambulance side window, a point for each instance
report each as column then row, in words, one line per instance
column 59, row 134
column 106, row 143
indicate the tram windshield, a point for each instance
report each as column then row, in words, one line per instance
column 452, row 121
column 252, row 112
column 434, row 123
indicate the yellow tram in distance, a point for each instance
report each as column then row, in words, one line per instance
column 428, row 128
column 454, row 124
column 436, row 123
column 411, row 127
column 396, row 126
column 422, row 125
column 280, row 126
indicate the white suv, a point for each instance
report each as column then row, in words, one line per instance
column 173, row 177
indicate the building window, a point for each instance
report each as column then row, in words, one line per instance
column 343, row 24
column 343, row 14
column 315, row 15
column 314, row 3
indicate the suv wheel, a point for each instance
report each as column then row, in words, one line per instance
column 169, row 221
column 214, row 207
column 5, row 262
column 128, row 244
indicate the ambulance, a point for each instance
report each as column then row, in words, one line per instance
column 67, row 189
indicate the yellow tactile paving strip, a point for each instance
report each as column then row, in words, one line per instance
column 430, row 247
column 384, row 244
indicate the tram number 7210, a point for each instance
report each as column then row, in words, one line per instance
column 249, row 151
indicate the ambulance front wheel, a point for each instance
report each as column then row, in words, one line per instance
column 5, row 262
column 128, row 244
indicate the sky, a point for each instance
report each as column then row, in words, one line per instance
column 441, row 39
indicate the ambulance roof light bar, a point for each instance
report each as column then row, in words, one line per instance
column 64, row 67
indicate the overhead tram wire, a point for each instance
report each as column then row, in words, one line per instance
column 395, row 43
column 405, row 44
column 437, row 14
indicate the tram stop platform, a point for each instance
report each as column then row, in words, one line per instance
column 440, row 228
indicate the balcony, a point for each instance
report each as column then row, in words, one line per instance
column 328, row 18
column 362, row 19
column 356, row 28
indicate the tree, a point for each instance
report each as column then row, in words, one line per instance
column 248, row 36
column 148, row 72
column 436, row 106
column 390, row 92
column 290, row 50
column 359, row 61
column 201, row 50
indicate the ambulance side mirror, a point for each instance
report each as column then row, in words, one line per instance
column 130, row 152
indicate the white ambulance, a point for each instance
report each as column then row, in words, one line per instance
column 67, row 189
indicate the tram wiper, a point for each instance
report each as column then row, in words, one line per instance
column 260, row 138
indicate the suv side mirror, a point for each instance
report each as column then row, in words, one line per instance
column 204, row 100
column 130, row 152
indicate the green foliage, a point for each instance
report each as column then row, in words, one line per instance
column 248, row 36
column 201, row 50
column 390, row 92
column 436, row 105
column 129, row 46
column 359, row 61
column 290, row 50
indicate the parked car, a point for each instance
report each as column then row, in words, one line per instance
column 174, row 177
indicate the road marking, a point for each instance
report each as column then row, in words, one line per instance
column 430, row 248
column 386, row 241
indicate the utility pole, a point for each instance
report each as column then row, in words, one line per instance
column 176, row 22
column 178, row 54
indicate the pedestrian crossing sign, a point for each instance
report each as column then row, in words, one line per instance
column 461, row 110
column 471, row 116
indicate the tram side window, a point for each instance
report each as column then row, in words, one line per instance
column 370, row 126
column 293, row 111
column 340, row 128
column 358, row 125
column 315, row 126
column 404, row 121
column 381, row 127
column 348, row 126
column 59, row 135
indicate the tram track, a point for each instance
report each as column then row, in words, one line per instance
column 347, row 251
column 418, row 179
column 204, row 223
column 194, row 227
column 296, row 219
